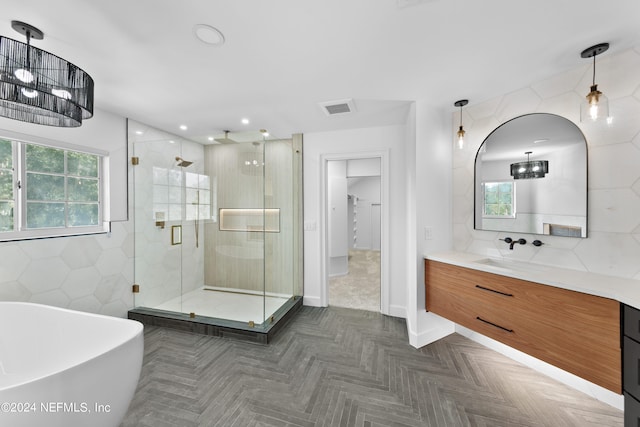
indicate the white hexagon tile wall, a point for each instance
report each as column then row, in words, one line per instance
column 613, row 243
column 87, row 273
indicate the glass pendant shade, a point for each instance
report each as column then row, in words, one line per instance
column 39, row 87
column 595, row 106
column 460, row 134
column 461, row 138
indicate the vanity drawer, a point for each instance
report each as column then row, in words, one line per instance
column 631, row 372
column 632, row 322
column 470, row 308
column 631, row 411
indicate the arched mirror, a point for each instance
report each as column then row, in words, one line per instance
column 531, row 177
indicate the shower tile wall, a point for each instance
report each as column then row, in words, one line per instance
column 613, row 243
column 235, row 259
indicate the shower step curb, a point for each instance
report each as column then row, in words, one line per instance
column 218, row 327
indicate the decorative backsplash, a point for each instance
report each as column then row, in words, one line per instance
column 613, row 245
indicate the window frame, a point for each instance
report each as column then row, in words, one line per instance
column 20, row 232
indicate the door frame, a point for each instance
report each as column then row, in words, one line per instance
column 383, row 155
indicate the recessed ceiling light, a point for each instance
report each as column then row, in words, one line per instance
column 208, row 35
column 139, row 132
column 245, row 121
column 183, row 127
column 172, row 142
column 210, row 138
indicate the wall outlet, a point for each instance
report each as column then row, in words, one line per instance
column 428, row 233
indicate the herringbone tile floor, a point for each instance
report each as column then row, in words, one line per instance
column 343, row 367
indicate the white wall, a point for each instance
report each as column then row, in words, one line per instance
column 429, row 182
column 337, row 218
column 390, row 139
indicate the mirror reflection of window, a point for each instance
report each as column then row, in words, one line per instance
column 499, row 200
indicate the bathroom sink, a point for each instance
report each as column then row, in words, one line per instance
column 511, row 265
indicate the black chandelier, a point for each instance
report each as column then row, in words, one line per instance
column 39, row 87
column 531, row 169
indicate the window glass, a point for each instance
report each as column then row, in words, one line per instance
column 44, row 159
column 83, row 214
column 82, row 189
column 44, row 187
column 45, row 215
column 81, row 164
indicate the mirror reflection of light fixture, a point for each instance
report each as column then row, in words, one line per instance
column 39, row 87
column 461, row 131
column 596, row 105
column 530, row 169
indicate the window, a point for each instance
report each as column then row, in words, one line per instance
column 48, row 191
column 168, row 188
column 499, row 200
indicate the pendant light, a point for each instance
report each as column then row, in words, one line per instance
column 596, row 105
column 461, row 131
column 39, row 87
column 530, row 169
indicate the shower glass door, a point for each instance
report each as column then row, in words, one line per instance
column 157, row 211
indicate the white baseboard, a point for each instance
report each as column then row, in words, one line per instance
column 398, row 311
column 573, row 381
column 432, row 328
column 311, row 301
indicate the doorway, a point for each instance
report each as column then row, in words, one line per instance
column 354, row 232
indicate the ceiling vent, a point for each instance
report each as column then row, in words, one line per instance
column 333, row 108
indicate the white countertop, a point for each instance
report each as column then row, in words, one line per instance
column 624, row 290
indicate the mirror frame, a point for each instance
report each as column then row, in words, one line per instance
column 586, row 190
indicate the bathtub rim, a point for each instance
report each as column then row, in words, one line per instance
column 135, row 333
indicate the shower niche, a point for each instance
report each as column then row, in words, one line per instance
column 218, row 232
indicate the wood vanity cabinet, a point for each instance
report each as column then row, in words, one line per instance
column 577, row 332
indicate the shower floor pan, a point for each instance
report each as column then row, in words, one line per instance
column 225, row 314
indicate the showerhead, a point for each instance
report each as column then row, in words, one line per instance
column 226, row 139
column 183, row 163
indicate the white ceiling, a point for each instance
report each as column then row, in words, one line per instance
column 283, row 57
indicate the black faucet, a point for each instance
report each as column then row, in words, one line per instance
column 520, row 241
column 512, row 242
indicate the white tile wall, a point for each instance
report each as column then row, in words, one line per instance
column 613, row 243
column 87, row 273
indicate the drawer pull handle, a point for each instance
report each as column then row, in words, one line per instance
column 494, row 291
column 493, row 324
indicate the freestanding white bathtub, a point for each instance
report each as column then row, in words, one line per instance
column 66, row 368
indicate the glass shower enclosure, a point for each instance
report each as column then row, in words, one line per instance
column 218, row 230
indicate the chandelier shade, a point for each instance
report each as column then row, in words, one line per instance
column 39, row 87
column 531, row 169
